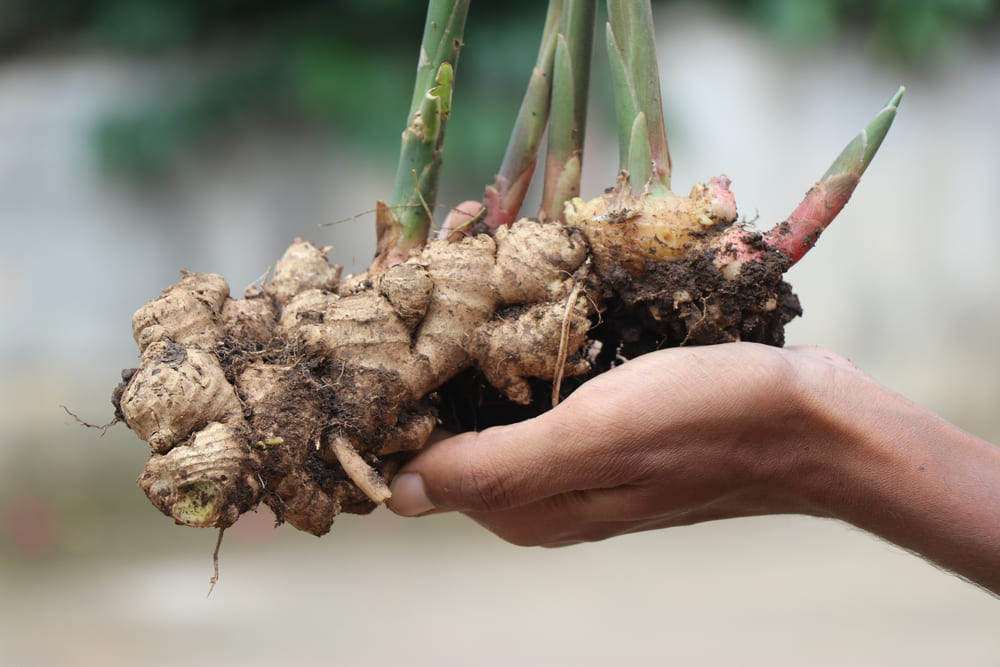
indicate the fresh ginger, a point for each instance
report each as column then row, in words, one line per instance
column 305, row 394
column 309, row 393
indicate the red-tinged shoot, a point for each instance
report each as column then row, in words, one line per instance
column 796, row 235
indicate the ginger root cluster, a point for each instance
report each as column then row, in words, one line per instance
column 309, row 393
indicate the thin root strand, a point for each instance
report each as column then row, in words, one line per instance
column 215, row 563
column 563, row 345
column 104, row 427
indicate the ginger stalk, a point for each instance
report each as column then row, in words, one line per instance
column 403, row 225
column 570, row 83
column 504, row 197
column 642, row 136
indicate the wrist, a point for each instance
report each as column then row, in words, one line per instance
column 836, row 432
column 843, row 440
column 888, row 466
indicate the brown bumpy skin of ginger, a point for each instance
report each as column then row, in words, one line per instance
column 308, row 394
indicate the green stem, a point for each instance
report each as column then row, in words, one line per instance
column 504, row 198
column 404, row 224
column 570, row 83
column 642, row 137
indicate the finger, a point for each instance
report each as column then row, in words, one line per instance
column 532, row 527
column 591, row 516
column 506, row 466
column 569, row 518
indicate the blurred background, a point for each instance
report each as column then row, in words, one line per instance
column 138, row 137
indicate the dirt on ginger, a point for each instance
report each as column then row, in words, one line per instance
column 308, row 394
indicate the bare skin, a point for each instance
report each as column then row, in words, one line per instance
column 688, row 435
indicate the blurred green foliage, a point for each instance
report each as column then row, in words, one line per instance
column 912, row 31
column 346, row 66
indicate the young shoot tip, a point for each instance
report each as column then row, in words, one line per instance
column 799, row 232
column 894, row 102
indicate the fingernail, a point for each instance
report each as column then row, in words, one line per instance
column 409, row 498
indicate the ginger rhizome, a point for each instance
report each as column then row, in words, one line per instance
column 311, row 391
column 305, row 395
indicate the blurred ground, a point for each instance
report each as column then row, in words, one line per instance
column 384, row 591
column 904, row 284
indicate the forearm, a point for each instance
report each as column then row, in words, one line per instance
column 905, row 475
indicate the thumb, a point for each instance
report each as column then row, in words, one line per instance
column 496, row 469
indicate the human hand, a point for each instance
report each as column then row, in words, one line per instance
column 686, row 435
column 674, row 437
